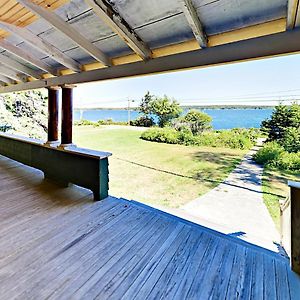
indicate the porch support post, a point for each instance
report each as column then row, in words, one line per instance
column 67, row 115
column 53, row 94
column 295, row 226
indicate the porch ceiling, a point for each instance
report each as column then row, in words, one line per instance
column 55, row 38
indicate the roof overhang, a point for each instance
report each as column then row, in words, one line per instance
column 115, row 39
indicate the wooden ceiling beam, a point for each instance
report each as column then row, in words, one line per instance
column 59, row 24
column 6, row 79
column 293, row 14
column 192, row 17
column 15, row 65
column 42, row 46
column 282, row 43
column 12, row 74
column 27, row 57
column 109, row 16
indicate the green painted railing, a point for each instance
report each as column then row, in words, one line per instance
column 290, row 225
column 80, row 166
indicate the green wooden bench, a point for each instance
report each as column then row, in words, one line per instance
column 83, row 167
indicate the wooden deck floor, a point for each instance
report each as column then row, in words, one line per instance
column 58, row 244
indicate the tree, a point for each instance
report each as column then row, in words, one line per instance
column 165, row 109
column 197, row 121
column 284, row 126
column 145, row 106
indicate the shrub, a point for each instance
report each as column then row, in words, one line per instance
column 84, row 123
column 143, row 121
column 284, row 122
column 269, row 154
column 197, row 121
column 288, row 161
column 161, row 135
column 110, row 122
column 291, row 140
column 184, row 136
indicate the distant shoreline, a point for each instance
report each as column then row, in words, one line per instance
column 185, row 107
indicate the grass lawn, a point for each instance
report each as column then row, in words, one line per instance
column 275, row 188
column 160, row 174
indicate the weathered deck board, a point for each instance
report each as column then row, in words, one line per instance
column 56, row 243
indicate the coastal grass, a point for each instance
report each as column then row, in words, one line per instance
column 275, row 188
column 156, row 173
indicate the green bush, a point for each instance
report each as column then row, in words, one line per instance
column 291, row 140
column 161, row 135
column 84, row 123
column 284, row 127
column 288, row 161
column 223, row 138
column 273, row 155
column 143, row 121
column 269, row 154
column 196, row 120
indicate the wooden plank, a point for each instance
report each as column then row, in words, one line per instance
column 135, row 258
column 18, row 67
column 107, row 14
column 202, row 283
column 97, row 250
column 222, row 277
column 41, row 234
column 58, row 23
column 282, row 285
column 102, row 269
column 7, row 80
column 27, row 57
column 173, row 239
column 13, row 12
column 42, row 46
column 7, row 72
column 194, row 22
column 173, row 270
column 257, row 279
column 119, row 285
column 244, row 287
column 267, row 46
column 183, row 272
column 269, row 278
column 293, row 14
column 148, row 284
column 46, row 251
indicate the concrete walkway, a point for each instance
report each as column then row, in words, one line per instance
column 236, row 207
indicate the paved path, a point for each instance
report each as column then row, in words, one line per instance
column 236, row 206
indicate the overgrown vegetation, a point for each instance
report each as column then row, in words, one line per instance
column 163, row 108
column 25, row 113
column 98, row 123
column 284, row 127
column 195, row 120
column 143, row 121
column 282, row 151
column 234, row 138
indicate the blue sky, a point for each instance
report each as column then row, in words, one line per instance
column 259, row 82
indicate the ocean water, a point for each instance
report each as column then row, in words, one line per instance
column 222, row 118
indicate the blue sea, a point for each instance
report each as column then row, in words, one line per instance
column 222, row 118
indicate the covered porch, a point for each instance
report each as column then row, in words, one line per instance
column 58, row 243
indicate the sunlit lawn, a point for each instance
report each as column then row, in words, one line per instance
column 160, row 174
column 275, row 188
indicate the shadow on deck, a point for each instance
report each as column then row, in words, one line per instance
column 58, row 244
